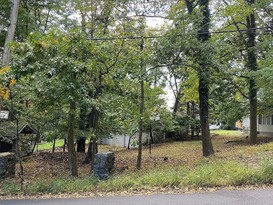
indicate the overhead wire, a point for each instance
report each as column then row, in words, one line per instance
column 184, row 34
column 198, row 32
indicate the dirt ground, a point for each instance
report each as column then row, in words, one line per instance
column 43, row 165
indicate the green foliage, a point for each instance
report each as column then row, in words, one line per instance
column 56, row 62
column 264, row 77
column 235, row 69
column 190, row 87
column 4, row 15
column 66, row 67
column 228, row 113
column 181, row 126
column 237, row 10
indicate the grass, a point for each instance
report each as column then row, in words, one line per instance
column 219, row 173
column 49, row 145
column 214, row 174
column 231, row 133
column 232, row 165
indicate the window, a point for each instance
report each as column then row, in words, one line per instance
column 267, row 120
column 260, row 119
column 264, row 120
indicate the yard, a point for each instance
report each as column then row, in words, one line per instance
column 170, row 166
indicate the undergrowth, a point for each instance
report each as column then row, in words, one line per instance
column 209, row 173
column 233, row 165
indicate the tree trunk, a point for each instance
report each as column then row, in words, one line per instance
column 177, row 101
column 204, row 120
column 94, row 141
column 81, row 144
column 54, row 145
column 192, row 114
column 11, row 31
column 129, row 141
column 70, row 140
column 82, row 125
column 141, row 110
column 253, row 111
column 88, row 157
column 203, row 37
column 252, row 67
column 92, row 124
column 19, row 156
column 65, row 142
column 203, row 89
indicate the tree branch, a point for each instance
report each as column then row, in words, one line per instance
column 240, row 91
column 115, row 61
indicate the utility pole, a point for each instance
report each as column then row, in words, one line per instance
column 141, row 109
column 11, row 31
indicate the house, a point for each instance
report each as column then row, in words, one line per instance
column 264, row 125
column 125, row 140
column 9, row 138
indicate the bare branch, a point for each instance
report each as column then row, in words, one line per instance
column 115, row 61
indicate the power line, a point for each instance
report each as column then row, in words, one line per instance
column 160, row 36
column 184, row 34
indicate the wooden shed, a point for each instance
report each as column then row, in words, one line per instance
column 9, row 140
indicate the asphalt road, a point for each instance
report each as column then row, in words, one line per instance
column 247, row 197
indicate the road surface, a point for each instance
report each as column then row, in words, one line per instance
column 246, row 197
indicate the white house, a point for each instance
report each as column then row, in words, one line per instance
column 123, row 140
column 264, row 125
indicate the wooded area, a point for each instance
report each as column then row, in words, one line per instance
column 81, row 70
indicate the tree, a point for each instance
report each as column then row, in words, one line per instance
column 96, row 18
column 60, row 63
column 137, row 14
column 99, row 68
column 5, row 83
column 263, row 75
column 204, row 73
column 251, row 64
column 192, row 48
column 245, row 17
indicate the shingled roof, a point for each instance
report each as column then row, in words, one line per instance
column 9, row 129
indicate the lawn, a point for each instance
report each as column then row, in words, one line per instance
column 231, row 133
column 49, row 145
column 170, row 166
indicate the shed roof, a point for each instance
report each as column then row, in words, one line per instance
column 9, row 129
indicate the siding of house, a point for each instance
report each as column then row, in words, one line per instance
column 264, row 125
column 123, row 140
column 246, row 125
